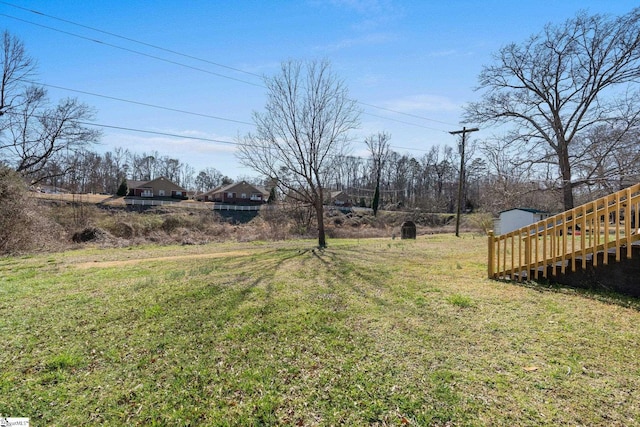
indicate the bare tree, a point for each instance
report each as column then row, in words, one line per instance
column 208, row 179
column 348, row 171
column 305, row 127
column 16, row 66
column 34, row 133
column 37, row 134
column 561, row 83
column 188, row 176
column 170, row 169
column 379, row 148
column 611, row 158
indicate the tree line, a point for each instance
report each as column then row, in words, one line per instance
column 92, row 172
column 404, row 181
column 428, row 182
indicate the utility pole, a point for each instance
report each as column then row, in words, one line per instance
column 464, row 132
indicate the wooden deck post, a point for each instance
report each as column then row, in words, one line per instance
column 627, row 222
column 491, row 254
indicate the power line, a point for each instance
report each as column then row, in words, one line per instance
column 139, row 103
column 408, row 114
column 131, row 39
column 194, row 113
column 403, row 122
column 190, row 112
column 170, row 109
column 194, row 58
column 197, row 138
column 131, row 50
column 144, row 104
column 187, row 66
column 173, row 135
column 93, row 124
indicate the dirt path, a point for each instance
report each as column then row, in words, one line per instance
column 119, row 263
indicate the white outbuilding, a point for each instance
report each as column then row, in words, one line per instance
column 515, row 218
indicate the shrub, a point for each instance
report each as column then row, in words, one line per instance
column 24, row 226
column 171, row 223
column 123, row 230
column 89, row 234
column 277, row 221
column 482, row 222
column 123, row 189
column 15, row 218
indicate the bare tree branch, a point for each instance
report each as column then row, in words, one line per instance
column 32, row 133
column 562, row 83
column 302, row 132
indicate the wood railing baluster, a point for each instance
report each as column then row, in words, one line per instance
column 542, row 245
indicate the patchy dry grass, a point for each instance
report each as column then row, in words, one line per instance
column 368, row 332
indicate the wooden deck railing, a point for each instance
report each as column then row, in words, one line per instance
column 608, row 224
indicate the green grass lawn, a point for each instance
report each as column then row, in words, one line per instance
column 367, row 332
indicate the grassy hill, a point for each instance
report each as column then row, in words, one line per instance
column 367, row 332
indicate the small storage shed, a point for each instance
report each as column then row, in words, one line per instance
column 408, row 230
column 515, row 218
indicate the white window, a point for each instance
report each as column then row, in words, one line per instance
column 244, row 195
column 160, row 192
column 230, row 195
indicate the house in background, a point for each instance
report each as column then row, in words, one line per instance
column 240, row 193
column 515, row 218
column 49, row 189
column 339, row 198
column 159, row 187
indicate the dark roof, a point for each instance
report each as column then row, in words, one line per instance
column 143, row 184
column 136, row 184
column 531, row 210
column 223, row 189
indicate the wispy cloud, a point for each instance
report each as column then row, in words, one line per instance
column 444, row 53
column 372, row 22
column 370, row 79
column 364, row 40
column 181, row 148
column 373, row 13
column 422, row 103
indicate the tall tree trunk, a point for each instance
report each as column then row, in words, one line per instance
column 376, row 195
column 322, row 241
column 567, row 193
column 376, row 200
column 565, row 172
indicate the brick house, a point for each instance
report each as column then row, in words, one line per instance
column 240, row 193
column 159, row 187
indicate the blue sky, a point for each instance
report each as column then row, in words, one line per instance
column 419, row 59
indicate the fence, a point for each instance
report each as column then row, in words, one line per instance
column 217, row 207
column 608, row 224
column 154, row 202
column 199, row 205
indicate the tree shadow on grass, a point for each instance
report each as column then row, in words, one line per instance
column 344, row 271
column 592, row 293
